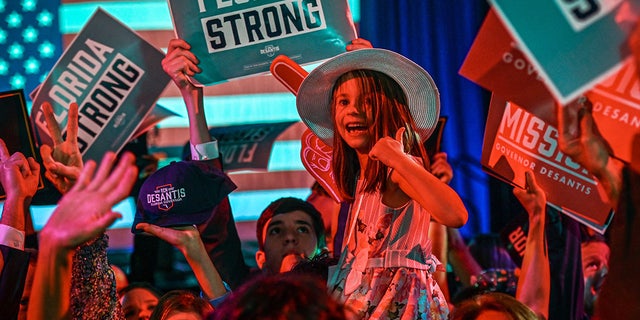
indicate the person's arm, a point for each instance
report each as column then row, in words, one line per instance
column 19, row 177
column 187, row 240
column 438, row 237
column 180, row 63
column 442, row 201
column 579, row 138
column 534, row 282
column 462, row 261
column 442, row 170
column 219, row 233
column 93, row 195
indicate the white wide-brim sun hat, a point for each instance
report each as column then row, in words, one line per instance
column 314, row 95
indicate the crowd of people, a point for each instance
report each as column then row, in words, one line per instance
column 375, row 108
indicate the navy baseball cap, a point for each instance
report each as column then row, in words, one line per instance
column 180, row 194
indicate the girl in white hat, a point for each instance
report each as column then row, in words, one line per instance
column 375, row 108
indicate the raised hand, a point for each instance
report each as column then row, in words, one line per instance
column 180, row 63
column 19, row 175
column 578, row 136
column 187, row 240
column 85, row 211
column 63, row 162
column 359, row 43
column 183, row 238
column 532, row 198
column 441, row 168
column 387, row 149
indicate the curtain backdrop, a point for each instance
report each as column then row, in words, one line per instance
column 437, row 34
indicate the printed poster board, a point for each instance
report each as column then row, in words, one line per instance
column 248, row 146
column 15, row 128
column 572, row 44
column 234, row 38
column 517, row 141
column 114, row 76
column 495, row 63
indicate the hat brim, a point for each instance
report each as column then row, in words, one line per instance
column 170, row 220
column 314, row 95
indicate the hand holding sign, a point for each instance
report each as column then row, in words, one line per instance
column 533, row 197
column 588, row 148
column 578, row 137
column 180, row 63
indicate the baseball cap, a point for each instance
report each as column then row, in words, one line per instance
column 180, row 194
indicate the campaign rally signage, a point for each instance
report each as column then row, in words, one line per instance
column 237, row 38
column 114, row 76
column 517, row 141
column 572, row 44
column 247, row 146
column 495, row 63
column 616, row 111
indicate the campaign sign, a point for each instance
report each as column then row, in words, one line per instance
column 237, row 38
column 115, row 77
column 572, row 44
column 247, row 146
column 517, row 141
column 616, row 111
column 495, row 63
column 15, row 128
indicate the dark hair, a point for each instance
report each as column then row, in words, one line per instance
column 490, row 252
column 316, row 187
column 471, row 308
column 289, row 295
column 181, row 301
column 389, row 114
column 141, row 285
column 318, row 265
column 286, row 205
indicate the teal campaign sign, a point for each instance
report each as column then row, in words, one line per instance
column 115, row 78
column 573, row 44
column 238, row 38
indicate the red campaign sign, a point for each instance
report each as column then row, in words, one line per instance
column 517, row 141
column 316, row 158
column 616, row 111
column 495, row 63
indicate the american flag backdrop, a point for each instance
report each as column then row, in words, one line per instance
column 34, row 33
column 30, row 42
